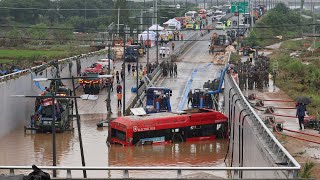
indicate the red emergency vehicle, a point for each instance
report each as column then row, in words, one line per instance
column 91, row 83
column 167, row 127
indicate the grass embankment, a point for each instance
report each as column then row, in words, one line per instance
column 277, row 22
column 299, row 76
column 27, row 57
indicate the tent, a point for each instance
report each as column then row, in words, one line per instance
column 154, row 27
column 173, row 24
column 144, row 36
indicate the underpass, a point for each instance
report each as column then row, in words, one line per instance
column 258, row 155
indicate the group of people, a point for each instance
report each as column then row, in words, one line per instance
column 149, row 68
column 170, row 67
column 254, row 75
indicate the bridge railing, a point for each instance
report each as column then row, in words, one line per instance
column 251, row 143
column 126, row 170
column 44, row 66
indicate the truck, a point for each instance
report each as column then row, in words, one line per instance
column 218, row 41
column 131, row 53
column 41, row 120
column 90, row 82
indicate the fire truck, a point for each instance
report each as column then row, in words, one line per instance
column 91, row 83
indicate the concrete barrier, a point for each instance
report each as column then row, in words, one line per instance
column 15, row 111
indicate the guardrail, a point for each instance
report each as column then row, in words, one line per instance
column 126, row 174
column 183, row 47
column 43, row 66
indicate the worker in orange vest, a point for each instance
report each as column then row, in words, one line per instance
column 119, row 97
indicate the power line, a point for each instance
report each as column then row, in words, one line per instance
column 88, row 28
column 185, row 40
column 76, row 9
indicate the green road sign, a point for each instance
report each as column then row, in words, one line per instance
column 242, row 7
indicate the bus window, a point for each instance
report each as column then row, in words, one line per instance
column 118, row 135
column 203, row 130
column 166, row 133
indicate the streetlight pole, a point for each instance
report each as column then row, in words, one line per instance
column 118, row 19
column 54, row 153
column 124, row 74
column 109, row 88
column 157, row 33
column 79, row 127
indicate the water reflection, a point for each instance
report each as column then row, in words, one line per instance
column 19, row 149
column 200, row 153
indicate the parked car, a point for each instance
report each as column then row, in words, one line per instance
column 219, row 26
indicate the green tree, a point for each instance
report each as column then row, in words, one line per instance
column 39, row 31
column 63, row 33
column 14, row 37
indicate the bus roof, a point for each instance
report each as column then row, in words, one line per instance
column 169, row 120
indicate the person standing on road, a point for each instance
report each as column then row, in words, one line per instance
column 117, row 77
column 129, row 68
column 172, row 46
column 301, row 112
column 119, row 97
column 119, row 88
column 190, row 95
column 122, row 74
column 175, row 70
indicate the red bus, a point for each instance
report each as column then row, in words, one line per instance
column 167, row 127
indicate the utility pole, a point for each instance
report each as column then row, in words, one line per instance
column 54, row 153
column 314, row 27
column 109, row 98
column 157, row 33
column 251, row 17
column 124, row 74
column 118, row 20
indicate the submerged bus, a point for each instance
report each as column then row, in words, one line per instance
column 167, row 127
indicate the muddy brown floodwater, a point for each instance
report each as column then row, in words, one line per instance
column 18, row 148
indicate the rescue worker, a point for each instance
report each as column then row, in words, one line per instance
column 190, row 96
column 119, row 97
column 172, row 46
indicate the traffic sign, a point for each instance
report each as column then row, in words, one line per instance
column 241, row 7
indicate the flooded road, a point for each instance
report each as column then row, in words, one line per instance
column 18, row 148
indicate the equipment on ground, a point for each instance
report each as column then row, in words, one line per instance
column 158, row 99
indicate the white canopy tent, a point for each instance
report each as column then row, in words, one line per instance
column 144, row 36
column 154, row 27
column 173, row 24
